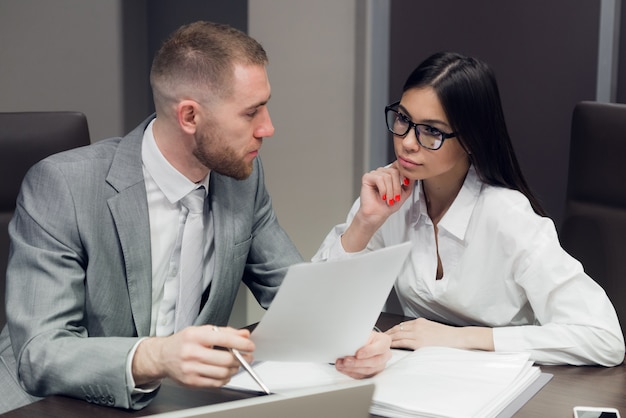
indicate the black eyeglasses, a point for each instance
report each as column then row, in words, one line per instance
column 427, row 136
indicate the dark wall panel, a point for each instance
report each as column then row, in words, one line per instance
column 136, row 61
column 165, row 16
column 146, row 24
column 543, row 53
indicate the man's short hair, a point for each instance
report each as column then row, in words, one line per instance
column 199, row 59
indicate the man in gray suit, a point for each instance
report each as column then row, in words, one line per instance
column 92, row 273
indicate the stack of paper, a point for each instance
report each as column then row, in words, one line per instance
column 429, row 382
column 447, row 382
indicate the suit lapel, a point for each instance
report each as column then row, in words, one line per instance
column 129, row 209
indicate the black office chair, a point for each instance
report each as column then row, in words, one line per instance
column 594, row 227
column 25, row 138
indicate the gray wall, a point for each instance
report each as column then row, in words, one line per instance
column 621, row 58
column 91, row 55
column 308, row 162
column 63, row 55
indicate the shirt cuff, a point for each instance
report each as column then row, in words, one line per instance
column 332, row 248
column 132, row 388
column 507, row 339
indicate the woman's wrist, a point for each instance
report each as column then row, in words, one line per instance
column 358, row 234
column 478, row 338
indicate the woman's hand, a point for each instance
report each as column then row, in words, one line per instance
column 383, row 191
column 423, row 333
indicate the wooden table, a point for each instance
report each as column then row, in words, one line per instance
column 570, row 386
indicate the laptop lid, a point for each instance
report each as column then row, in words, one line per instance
column 346, row 400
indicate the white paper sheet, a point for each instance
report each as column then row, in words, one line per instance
column 285, row 377
column 326, row 310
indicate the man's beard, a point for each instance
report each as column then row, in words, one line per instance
column 223, row 160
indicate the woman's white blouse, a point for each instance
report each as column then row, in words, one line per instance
column 504, row 268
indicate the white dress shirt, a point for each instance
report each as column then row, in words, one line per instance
column 165, row 187
column 504, row 268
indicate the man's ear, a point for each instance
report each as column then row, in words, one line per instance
column 187, row 113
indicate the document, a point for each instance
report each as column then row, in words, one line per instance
column 326, row 310
column 448, row 382
column 284, row 377
column 429, row 382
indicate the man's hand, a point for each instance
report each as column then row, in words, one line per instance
column 191, row 357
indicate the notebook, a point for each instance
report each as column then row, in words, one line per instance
column 346, row 400
column 327, row 310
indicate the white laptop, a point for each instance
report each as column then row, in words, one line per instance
column 345, row 400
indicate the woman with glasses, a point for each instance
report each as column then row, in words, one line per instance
column 487, row 271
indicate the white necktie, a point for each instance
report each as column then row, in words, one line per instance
column 191, row 260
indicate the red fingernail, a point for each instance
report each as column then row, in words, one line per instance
column 384, row 197
column 397, row 198
column 406, row 181
column 391, row 202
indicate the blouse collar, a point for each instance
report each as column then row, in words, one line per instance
column 456, row 219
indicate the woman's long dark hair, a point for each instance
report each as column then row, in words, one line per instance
column 468, row 92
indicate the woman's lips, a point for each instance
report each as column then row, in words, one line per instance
column 407, row 163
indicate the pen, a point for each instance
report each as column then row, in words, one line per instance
column 246, row 366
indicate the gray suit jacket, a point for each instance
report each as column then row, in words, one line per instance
column 79, row 274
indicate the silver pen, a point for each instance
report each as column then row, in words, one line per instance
column 246, row 366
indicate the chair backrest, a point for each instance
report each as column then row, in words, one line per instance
column 594, row 226
column 26, row 138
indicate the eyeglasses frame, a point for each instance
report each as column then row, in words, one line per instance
column 444, row 135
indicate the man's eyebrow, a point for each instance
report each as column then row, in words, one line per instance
column 262, row 103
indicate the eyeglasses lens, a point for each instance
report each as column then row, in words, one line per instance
column 399, row 125
column 396, row 123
